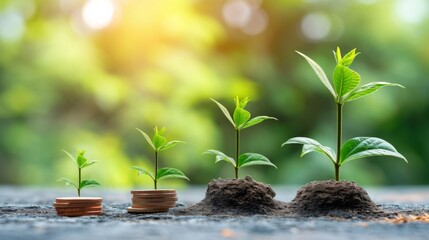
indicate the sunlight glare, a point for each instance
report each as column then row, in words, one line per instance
column 98, row 14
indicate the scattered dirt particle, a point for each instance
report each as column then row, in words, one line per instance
column 409, row 218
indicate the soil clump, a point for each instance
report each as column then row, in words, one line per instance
column 334, row 198
column 236, row 197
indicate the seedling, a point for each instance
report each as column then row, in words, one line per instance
column 159, row 143
column 241, row 120
column 345, row 89
column 81, row 162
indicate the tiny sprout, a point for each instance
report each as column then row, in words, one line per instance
column 81, row 162
column 159, row 143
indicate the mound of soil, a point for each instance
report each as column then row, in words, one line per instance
column 333, row 198
column 236, row 197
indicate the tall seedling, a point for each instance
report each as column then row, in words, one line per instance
column 345, row 89
column 241, row 120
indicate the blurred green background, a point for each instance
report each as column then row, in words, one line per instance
column 78, row 74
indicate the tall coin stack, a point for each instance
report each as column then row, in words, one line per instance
column 78, row 206
column 152, row 201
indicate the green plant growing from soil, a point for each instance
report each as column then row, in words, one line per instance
column 159, row 143
column 240, row 120
column 345, row 89
column 81, row 162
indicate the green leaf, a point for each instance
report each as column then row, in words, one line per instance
column 89, row 183
column 337, row 55
column 345, row 80
column 142, row 171
column 320, row 73
column 311, row 145
column 225, row 111
column 348, row 59
column 87, row 164
column 170, row 144
column 71, row 157
column 256, row 120
column 81, row 159
column 67, row 182
column 242, row 103
column 241, row 117
column 250, row 159
column 148, row 140
column 362, row 147
column 170, row 173
column 368, row 89
column 220, row 156
column 158, row 141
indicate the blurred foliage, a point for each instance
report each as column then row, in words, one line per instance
column 67, row 83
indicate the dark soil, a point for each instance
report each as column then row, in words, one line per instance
column 334, row 198
column 236, row 197
column 244, row 197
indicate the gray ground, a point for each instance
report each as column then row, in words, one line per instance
column 27, row 213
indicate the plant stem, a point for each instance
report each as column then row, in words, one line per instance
column 339, row 135
column 156, row 170
column 80, row 177
column 237, row 153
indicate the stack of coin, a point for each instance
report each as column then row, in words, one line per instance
column 78, row 206
column 152, row 201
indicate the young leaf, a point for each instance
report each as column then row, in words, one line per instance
column 256, row 120
column 170, row 144
column 67, row 182
column 362, row 147
column 142, row 171
column 311, row 145
column 225, row 111
column 241, row 117
column 345, row 80
column 242, row 103
column 347, row 60
column 148, row 140
column 337, row 55
column 158, row 141
column 220, row 156
column 368, row 89
column 87, row 164
column 320, row 73
column 89, row 183
column 170, row 173
column 250, row 159
column 71, row 157
column 81, row 160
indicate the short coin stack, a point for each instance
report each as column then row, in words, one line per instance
column 78, row 206
column 152, row 201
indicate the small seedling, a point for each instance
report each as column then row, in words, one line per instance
column 346, row 89
column 159, row 143
column 241, row 120
column 81, row 162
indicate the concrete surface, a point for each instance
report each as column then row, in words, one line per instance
column 27, row 213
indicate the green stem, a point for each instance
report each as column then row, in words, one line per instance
column 339, row 135
column 237, row 153
column 156, row 170
column 78, row 187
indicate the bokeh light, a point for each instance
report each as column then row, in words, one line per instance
column 412, row 11
column 12, row 25
column 316, row 26
column 98, row 14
